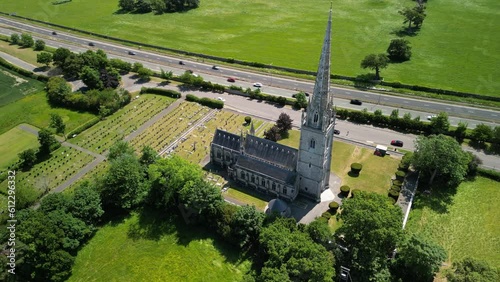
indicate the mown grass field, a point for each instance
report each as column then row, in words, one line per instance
column 15, row 86
column 465, row 224
column 26, row 54
column 457, row 48
column 153, row 247
column 14, row 142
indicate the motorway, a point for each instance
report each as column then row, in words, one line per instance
column 275, row 85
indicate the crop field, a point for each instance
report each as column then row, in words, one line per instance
column 104, row 134
column 14, row 142
column 15, row 86
column 153, row 246
column 64, row 163
column 170, row 127
column 458, row 52
column 196, row 146
column 35, row 110
column 465, row 223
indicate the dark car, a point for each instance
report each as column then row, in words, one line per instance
column 54, row 33
column 91, row 44
column 230, row 79
column 336, row 131
column 215, row 67
column 181, row 63
column 356, row 102
column 397, row 143
column 131, row 53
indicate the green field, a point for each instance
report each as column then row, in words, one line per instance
column 14, row 142
column 457, row 48
column 466, row 224
column 153, row 247
column 35, row 110
column 26, row 54
column 15, row 86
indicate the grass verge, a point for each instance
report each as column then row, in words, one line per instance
column 14, row 142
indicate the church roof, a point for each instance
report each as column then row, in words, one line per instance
column 266, row 169
column 227, row 140
column 270, row 151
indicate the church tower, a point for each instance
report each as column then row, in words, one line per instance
column 316, row 137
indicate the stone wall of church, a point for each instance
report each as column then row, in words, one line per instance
column 223, row 156
column 265, row 184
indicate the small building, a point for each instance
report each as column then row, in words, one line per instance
column 381, row 150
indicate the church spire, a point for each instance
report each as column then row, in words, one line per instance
column 252, row 129
column 319, row 107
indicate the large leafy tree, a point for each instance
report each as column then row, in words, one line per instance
column 39, row 45
column 91, row 78
column 399, row 50
column 57, row 90
column 27, row 159
column 440, row 124
column 72, row 65
column 300, row 101
column 86, row 204
column 319, row 231
column 119, row 149
column 44, row 58
column 246, row 225
column 202, row 197
column 292, row 253
column 47, row 141
column 273, row 134
column 482, row 133
column 284, row 122
column 371, row 230
column 415, row 15
column 57, row 122
column 375, row 62
column 27, row 40
column 148, row 156
column 440, row 155
column 60, row 56
column 418, row 259
column 470, row 269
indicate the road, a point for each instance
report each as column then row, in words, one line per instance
column 275, row 85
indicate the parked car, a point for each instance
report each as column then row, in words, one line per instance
column 257, row 84
column 91, row 44
column 181, row 63
column 131, row 53
column 356, row 102
column 54, row 33
column 336, row 131
column 397, row 143
column 231, row 79
column 215, row 67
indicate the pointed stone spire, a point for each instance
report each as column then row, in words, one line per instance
column 252, row 129
column 319, row 107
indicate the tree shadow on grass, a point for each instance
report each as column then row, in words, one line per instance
column 438, row 197
column 405, row 31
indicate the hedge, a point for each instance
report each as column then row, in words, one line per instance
column 400, row 175
column 397, row 183
column 161, row 91
column 326, row 215
column 396, row 188
column 82, row 128
column 344, row 190
column 212, row 103
column 333, row 206
column 489, row 173
column 393, row 194
column 354, row 192
column 356, row 167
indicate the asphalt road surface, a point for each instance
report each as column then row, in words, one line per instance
column 271, row 84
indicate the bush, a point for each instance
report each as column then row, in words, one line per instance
column 192, row 98
column 397, row 183
column 400, row 175
column 333, row 207
column 248, row 119
column 82, row 128
column 326, row 215
column 393, row 194
column 396, row 188
column 354, row 192
column 491, row 174
column 160, row 91
column 212, row 103
column 344, row 190
column 356, row 168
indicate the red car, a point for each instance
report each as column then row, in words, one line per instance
column 397, row 143
column 230, row 79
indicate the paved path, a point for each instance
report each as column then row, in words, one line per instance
column 407, row 193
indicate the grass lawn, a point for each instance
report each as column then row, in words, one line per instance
column 375, row 175
column 153, row 247
column 285, row 33
column 466, row 224
column 15, row 86
column 26, row 54
column 247, row 196
column 35, row 110
column 14, row 142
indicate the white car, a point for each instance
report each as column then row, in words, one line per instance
column 220, row 99
column 257, row 84
column 431, row 117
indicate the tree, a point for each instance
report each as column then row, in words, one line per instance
column 91, row 78
column 482, row 133
column 119, row 149
column 440, row 124
column 96, row 60
column 142, row 6
column 57, row 90
column 72, row 66
column 418, row 259
column 121, row 65
column 14, row 38
column 39, row 45
column 399, row 50
column 127, row 5
column 44, row 58
column 26, row 40
column 246, row 225
column 55, row 202
column 57, row 122
column 284, row 123
column 47, row 141
column 471, row 269
column 496, row 135
column 166, row 75
column 86, row 204
column 273, row 134
column 375, row 62
column 144, row 73
column 319, row 231
column 461, row 132
column 440, row 155
column 158, row 6
column 148, row 156
column 248, row 120
column 136, row 66
column 110, row 77
column 60, row 56
column 202, row 197
column 27, row 159
column 371, row 230
column 300, row 101
column 415, row 15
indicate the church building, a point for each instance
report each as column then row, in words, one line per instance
column 286, row 172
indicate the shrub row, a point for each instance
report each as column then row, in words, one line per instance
column 20, row 71
column 82, row 128
column 160, row 91
column 280, row 100
column 212, row 103
column 489, row 173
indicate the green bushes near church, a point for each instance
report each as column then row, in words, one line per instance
column 212, row 103
column 344, row 190
column 356, row 168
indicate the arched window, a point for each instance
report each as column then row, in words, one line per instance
column 316, row 117
column 312, row 144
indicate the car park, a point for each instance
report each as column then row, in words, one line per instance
column 91, row 44
column 215, row 67
column 336, row 131
column 356, row 102
column 397, row 143
column 257, row 84
column 131, row 53
column 231, row 79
